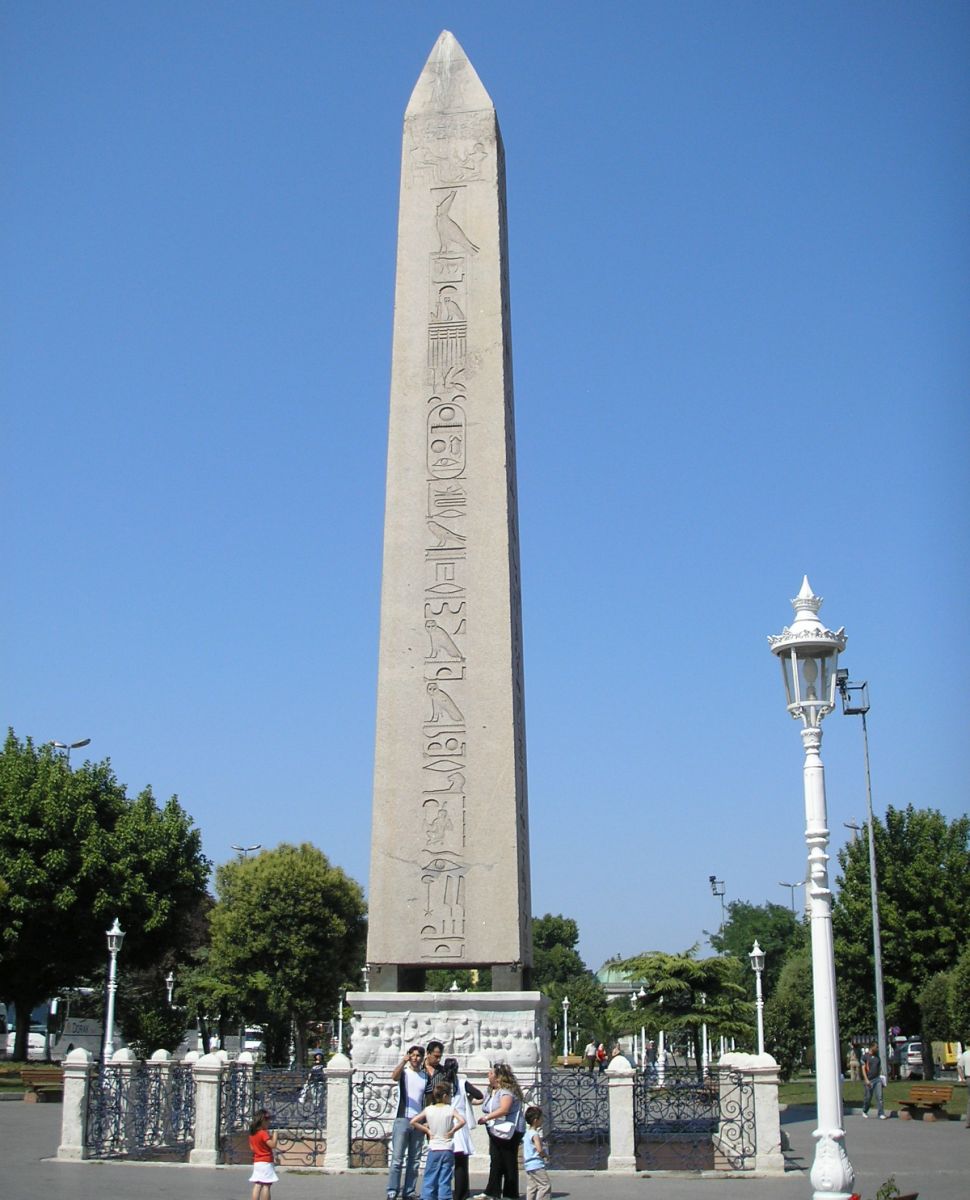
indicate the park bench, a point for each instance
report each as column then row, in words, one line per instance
column 42, row 1083
column 931, row 1097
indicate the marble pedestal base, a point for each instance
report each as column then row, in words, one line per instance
column 477, row 1028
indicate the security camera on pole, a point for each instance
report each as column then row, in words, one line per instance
column 809, row 653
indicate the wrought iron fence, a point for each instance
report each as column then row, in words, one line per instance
column 235, row 1111
column 694, row 1122
column 575, row 1117
column 373, row 1104
column 296, row 1101
column 141, row 1110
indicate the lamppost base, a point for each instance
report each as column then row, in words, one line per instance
column 831, row 1174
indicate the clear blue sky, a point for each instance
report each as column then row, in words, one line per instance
column 739, row 263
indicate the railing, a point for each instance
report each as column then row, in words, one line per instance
column 685, row 1121
column 373, row 1104
column 141, row 1110
column 297, row 1104
column 576, row 1118
column 725, row 1119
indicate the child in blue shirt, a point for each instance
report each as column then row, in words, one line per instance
column 534, row 1157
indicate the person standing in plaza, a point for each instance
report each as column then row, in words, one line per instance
column 534, row 1157
column 465, row 1095
column 440, row 1122
column 590, row 1055
column 433, row 1070
column 406, row 1141
column 872, row 1075
column 502, row 1116
column 963, row 1072
column 262, row 1143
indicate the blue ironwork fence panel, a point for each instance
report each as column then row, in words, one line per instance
column 296, row 1102
column 373, row 1104
column 576, row 1118
column 685, row 1121
column 141, row 1110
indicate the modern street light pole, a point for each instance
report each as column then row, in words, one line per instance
column 792, row 886
column 115, row 936
column 245, row 851
column 757, row 957
column 809, row 653
column 717, row 887
column 67, row 747
column 855, row 703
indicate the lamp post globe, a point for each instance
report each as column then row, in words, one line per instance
column 809, row 654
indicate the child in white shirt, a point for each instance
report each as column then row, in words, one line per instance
column 440, row 1121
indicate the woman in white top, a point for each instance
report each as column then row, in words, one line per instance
column 502, row 1116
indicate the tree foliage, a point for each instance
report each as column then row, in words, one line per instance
column 75, row 852
column 777, row 929
column 960, row 996
column 923, row 871
column 288, row 932
column 684, row 992
column 789, row 1023
column 555, row 958
column 558, row 971
column 936, row 1010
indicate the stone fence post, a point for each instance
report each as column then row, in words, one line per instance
column 339, row 1073
column 623, row 1152
column 78, row 1069
column 207, row 1074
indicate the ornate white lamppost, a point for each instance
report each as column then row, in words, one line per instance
column 809, row 654
column 115, row 936
column 565, row 1028
column 170, row 986
column 757, row 957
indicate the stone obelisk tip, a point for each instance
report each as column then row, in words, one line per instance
column 448, row 82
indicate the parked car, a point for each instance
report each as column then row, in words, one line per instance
column 911, row 1060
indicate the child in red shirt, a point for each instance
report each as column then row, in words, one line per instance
column 262, row 1143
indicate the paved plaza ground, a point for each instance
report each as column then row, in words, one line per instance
column 930, row 1158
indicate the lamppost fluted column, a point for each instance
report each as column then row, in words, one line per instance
column 808, row 653
column 757, row 957
column 115, row 936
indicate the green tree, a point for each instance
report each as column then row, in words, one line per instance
column 960, row 998
column 936, row 1011
column 470, row 979
column 778, row 931
column 924, row 911
column 555, row 958
column 288, row 931
column 75, row 852
column 789, row 1023
column 558, row 971
column 685, row 992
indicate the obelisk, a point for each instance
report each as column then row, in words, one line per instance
column 449, row 877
